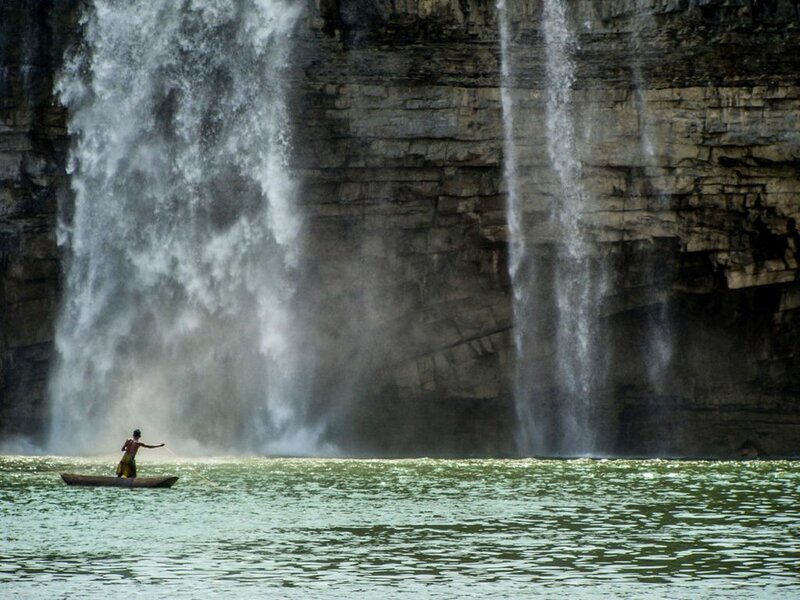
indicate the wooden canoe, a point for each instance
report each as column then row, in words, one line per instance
column 128, row 482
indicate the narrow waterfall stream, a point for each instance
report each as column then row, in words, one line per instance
column 579, row 280
column 184, row 239
column 558, row 293
column 519, row 260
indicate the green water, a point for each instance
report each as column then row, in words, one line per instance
column 302, row 528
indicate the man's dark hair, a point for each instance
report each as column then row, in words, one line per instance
column 137, row 433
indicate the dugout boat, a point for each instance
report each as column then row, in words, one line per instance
column 128, row 482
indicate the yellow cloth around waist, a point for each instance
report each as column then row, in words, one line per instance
column 126, row 467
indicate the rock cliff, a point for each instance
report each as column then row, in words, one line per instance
column 33, row 146
column 402, row 163
column 687, row 112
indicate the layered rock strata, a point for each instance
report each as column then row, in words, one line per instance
column 695, row 178
column 687, row 113
column 33, row 145
column 401, row 155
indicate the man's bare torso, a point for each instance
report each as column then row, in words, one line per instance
column 131, row 447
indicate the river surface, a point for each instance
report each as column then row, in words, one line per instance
column 307, row 528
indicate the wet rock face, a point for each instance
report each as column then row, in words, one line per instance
column 400, row 152
column 698, row 172
column 32, row 157
column 719, row 108
column 688, row 121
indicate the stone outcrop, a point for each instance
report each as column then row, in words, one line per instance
column 688, row 113
column 33, row 145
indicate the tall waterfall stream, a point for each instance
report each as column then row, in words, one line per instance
column 555, row 419
column 184, row 238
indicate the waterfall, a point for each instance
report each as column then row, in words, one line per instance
column 557, row 292
column 519, row 262
column 183, row 242
column 579, row 280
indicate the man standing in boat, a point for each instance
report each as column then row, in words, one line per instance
column 127, row 466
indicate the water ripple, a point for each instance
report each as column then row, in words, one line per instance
column 332, row 528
